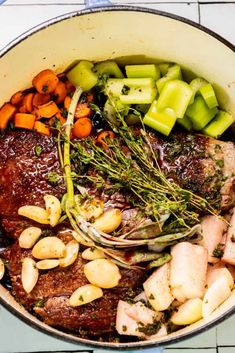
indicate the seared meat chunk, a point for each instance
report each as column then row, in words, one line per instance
column 50, row 297
column 26, row 158
column 200, row 164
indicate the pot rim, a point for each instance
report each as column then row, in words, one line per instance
column 60, row 334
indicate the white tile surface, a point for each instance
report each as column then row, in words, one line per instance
column 17, row 16
column 17, row 19
column 220, row 18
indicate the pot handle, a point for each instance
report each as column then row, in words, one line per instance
column 96, row 3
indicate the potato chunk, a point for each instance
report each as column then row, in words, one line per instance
column 157, row 289
column 188, row 269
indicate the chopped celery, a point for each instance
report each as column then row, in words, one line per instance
column 175, row 95
column 112, row 107
column 143, row 71
column 200, row 114
column 163, row 68
column 110, row 68
column 186, row 123
column 132, row 90
column 209, row 96
column 162, row 120
column 83, row 76
column 114, row 87
column 196, row 84
column 173, row 73
column 132, row 119
column 219, row 124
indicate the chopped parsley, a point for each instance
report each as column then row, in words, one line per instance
column 125, row 90
column 45, row 88
column 218, row 251
column 38, row 150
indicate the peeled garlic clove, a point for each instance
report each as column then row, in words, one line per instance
column 47, row 264
column 37, row 214
column 93, row 254
column 2, row 269
column 49, row 248
column 72, row 249
column 81, row 240
column 29, row 274
column 109, row 221
column 102, row 273
column 53, row 208
column 92, row 209
column 29, row 236
column 85, row 294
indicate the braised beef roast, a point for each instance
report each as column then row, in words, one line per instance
column 200, row 164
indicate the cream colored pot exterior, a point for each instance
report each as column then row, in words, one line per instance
column 115, row 33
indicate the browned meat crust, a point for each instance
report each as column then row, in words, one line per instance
column 192, row 161
column 23, row 175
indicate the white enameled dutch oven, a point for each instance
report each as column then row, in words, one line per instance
column 129, row 33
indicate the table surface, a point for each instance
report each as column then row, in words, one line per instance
column 16, row 17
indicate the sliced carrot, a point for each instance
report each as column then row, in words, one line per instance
column 27, row 103
column 90, row 98
column 17, row 98
column 82, row 111
column 104, row 135
column 47, row 110
column 40, row 99
column 60, row 92
column 41, row 128
column 6, row 113
column 60, row 118
column 82, row 128
column 24, row 121
column 67, row 102
column 45, row 81
column 69, row 86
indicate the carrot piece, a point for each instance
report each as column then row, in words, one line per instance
column 67, row 102
column 82, row 128
column 104, row 135
column 6, row 113
column 47, row 110
column 27, row 103
column 40, row 99
column 90, row 98
column 17, row 98
column 45, row 81
column 60, row 118
column 41, row 128
column 82, row 111
column 60, row 92
column 24, row 121
column 69, row 86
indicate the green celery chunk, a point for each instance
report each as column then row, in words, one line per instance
column 111, row 108
column 173, row 73
column 109, row 68
column 175, row 95
column 186, row 123
column 132, row 90
column 199, row 113
column 196, row 84
column 143, row 71
column 162, row 120
column 219, row 124
column 82, row 75
column 209, row 96
column 163, row 67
